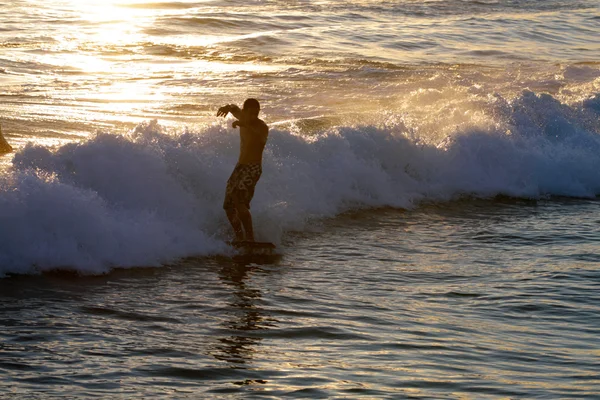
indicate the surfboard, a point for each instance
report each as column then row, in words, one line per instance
column 261, row 252
column 253, row 247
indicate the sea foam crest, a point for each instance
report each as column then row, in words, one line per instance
column 149, row 197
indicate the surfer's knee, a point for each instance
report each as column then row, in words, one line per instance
column 242, row 209
column 231, row 211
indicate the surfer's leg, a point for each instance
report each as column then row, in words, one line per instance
column 238, row 194
column 243, row 213
column 236, row 224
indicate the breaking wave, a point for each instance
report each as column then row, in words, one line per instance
column 150, row 196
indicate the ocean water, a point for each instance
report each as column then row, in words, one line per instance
column 431, row 181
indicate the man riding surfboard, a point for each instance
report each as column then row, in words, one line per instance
column 241, row 183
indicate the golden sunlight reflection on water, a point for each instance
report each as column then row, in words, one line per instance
column 123, row 62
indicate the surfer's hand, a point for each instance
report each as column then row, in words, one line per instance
column 235, row 124
column 223, row 111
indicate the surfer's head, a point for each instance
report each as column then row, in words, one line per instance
column 251, row 108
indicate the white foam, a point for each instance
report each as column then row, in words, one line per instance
column 150, row 197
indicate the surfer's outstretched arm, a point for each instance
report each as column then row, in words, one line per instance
column 230, row 108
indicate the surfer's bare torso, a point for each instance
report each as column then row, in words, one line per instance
column 253, row 135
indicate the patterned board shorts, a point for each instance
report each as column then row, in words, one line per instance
column 241, row 184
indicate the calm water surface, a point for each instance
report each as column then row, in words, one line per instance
column 476, row 299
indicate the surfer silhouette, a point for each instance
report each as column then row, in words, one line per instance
column 4, row 146
column 243, row 179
